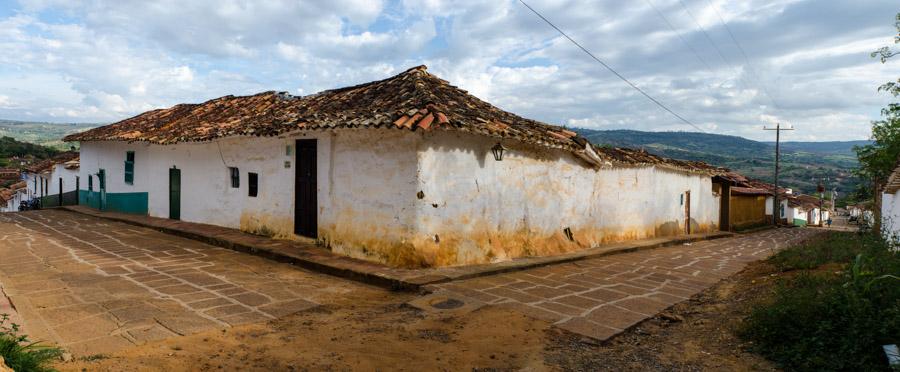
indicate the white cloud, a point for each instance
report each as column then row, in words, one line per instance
column 99, row 60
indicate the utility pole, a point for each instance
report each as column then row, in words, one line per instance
column 777, row 129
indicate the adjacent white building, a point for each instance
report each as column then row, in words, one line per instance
column 890, row 208
column 52, row 179
column 409, row 171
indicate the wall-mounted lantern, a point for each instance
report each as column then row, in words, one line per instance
column 498, row 151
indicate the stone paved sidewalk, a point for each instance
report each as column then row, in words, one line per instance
column 95, row 286
column 602, row 297
column 307, row 254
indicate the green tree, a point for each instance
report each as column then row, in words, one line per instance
column 879, row 159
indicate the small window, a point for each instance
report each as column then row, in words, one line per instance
column 101, row 177
column 235, row 175
column 252, row 179
column 129, row 167
column 90, row 183
column 681, row 199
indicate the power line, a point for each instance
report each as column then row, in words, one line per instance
column 743, row 53
column 610, row 68
column 722, row 55
column 680, row 37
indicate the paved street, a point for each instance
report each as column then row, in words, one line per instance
column 601, row 297
column 95, row 286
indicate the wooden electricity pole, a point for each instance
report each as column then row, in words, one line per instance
column 777, row 129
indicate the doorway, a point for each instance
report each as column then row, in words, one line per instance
column 687, row 212
column 175, row 193
column 305, row 192
column 101, row 178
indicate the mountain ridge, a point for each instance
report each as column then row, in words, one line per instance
column 803, row 164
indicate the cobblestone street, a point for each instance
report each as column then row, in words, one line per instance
column 95, row 286
column 601, row 297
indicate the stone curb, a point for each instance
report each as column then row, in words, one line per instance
column 402, row 279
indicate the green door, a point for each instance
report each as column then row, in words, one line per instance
column 175, row 194
column 101, row 178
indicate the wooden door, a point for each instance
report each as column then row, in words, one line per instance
column 305, row 193
column 687, row 212
column 175, row 194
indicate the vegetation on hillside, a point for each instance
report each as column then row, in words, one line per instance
column 803, row 164
column 9, row 148
column 838, row 303
column 46, row 134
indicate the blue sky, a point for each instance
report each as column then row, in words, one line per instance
column 806, row 62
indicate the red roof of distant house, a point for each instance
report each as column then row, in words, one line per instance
column 749, row 191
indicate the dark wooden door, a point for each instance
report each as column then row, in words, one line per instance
column 687, row 212
column 175, row 194
column 305, row 195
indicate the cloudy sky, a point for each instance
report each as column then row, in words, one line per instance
column 800, row 62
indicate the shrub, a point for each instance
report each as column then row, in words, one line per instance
column 827, row 321
column 20, row 353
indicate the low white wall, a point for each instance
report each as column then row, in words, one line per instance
column 890, row 216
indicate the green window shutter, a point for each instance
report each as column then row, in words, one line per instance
column 129, row 167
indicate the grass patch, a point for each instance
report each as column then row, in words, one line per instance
column 826, row 319
column 20, row 353
column 835, row 248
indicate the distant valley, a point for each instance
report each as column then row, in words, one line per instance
column 803, row 163
column 45, row 134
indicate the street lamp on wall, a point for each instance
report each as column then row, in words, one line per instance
column 498, row 151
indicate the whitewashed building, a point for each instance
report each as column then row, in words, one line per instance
column 890, row 208
column 12, row 196
column 54, row 178
column 409, row 171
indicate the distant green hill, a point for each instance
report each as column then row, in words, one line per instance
column 46, row 134
column 803, row 163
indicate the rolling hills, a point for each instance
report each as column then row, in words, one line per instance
column 803, row 164
column 45, row 134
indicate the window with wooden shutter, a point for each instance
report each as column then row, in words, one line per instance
column 235, row 175
column 129, row 167
column 252, row 181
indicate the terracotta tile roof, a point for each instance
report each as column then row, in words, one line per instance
column 893, row 181
column 620, row 155
column 412, row 100
column 18, row 186
column 805, row 202
column 6, row 195
column 737, row 190
column 46, row 164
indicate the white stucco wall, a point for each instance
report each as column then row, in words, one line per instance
column 476, row 208
column 472, row 208
column 890, row 216
column 68, row 179
column 366, row 181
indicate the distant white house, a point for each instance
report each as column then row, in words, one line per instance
column 12, row 196
column 53, row 178
column 409, row 171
